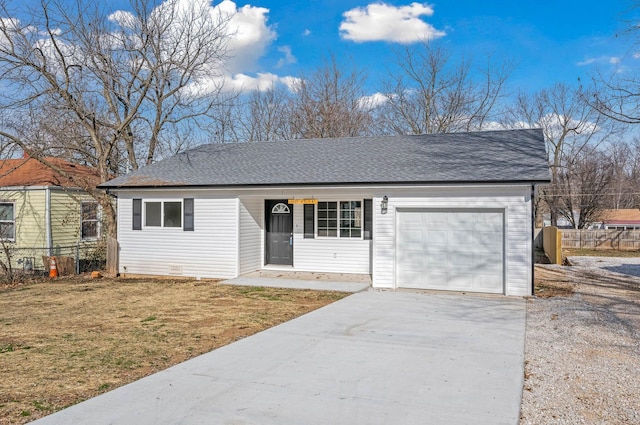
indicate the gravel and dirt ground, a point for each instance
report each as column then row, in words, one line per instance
column 582, row 356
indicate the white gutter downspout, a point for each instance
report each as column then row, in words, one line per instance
column 47, row 221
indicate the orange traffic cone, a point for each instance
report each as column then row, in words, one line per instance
column 53, row 268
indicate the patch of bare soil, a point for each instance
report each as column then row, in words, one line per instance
column 582, row 356
column 552, row 283
column 65, row 341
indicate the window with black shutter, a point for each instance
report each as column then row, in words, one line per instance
column 188, row 214
column 309, row 221
column 368, row 219
column 137, row 214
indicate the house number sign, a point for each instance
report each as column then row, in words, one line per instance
column 302, row 201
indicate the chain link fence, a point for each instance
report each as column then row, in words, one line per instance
column 79, row 258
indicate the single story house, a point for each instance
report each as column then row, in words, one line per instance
column 622, row 219
column 43, row 213
column 443, row 211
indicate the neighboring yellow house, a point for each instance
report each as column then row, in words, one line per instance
column 43, row 213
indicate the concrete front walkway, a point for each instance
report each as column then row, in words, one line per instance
column 371, row 358
column 341, row 282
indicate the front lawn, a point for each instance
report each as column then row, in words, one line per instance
column 64, row 341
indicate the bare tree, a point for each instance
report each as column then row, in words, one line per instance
column 327, row 103
column 267, row 115
column 583, row 185
column 569, row 124
column 112, row 89
column 433, row 93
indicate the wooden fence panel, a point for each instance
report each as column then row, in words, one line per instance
column 623, row 240
column 552, row 243
column 113, row 255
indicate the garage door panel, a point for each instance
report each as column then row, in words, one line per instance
column 435, row 279
column 452, row 250
column 460, row 237
column 435, row 219
column 485, row 283
column 437, row 260
column 461, row 281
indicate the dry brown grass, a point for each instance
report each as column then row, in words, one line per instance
column 584, row 252
column 73, row 339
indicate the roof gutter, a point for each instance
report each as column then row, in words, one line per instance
column 327, row 184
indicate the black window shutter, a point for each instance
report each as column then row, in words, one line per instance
column 137, row 214
column 309, row 221
column 368, row 219
column 188, row 214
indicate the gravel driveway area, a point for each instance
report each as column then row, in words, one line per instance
column 582, row 352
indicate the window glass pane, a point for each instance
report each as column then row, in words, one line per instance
column 89, row 211
column 6, row 211
column 89, row 229
column 7, row 230
column 152, row 213
column 327, row 219
column 350, row 219
column 173, row 214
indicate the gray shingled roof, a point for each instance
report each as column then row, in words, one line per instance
column 489, row 157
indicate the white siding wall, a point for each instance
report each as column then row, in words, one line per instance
column 331, row 255
column 209, row 251
column 515, row 200
column 251, row 234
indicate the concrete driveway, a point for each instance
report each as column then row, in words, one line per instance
column 371, row 358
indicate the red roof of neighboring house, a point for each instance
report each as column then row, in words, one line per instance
column 622, row 216
column 31, row 172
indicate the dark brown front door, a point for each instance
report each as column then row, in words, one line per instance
column 279, row 243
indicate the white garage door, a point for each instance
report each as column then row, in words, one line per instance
column 455, row 250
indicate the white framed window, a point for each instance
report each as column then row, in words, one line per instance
column 163, row 214
column 7, row 221
column 339, row 219
column 90, row 220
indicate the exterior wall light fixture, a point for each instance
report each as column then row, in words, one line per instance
column 384, row 204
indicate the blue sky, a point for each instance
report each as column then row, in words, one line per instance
column 547, row 41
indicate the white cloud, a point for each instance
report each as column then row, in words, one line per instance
column 261, row 82
column 373, row 101
column 585, row 62
column 288, row 56
column 636, row 55
column 384, row 22
column 249, row 38
column 554, row 125
column 306, row 32
column 612, row 60
column 252, row 36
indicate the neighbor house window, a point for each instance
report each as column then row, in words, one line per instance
column 341, row 219
column 7, row 221
column 90, row 223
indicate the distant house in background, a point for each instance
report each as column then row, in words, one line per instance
column 43, row 213
column 623, row 219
